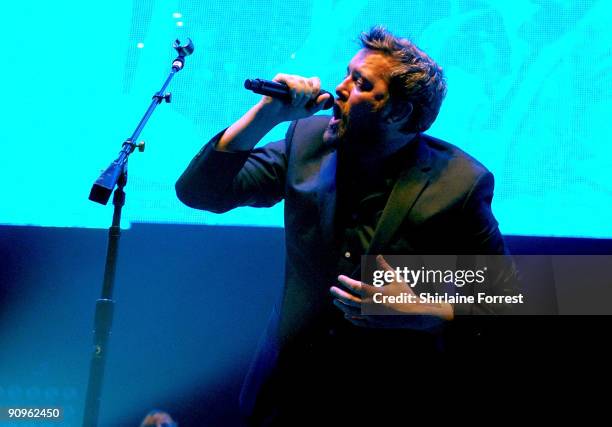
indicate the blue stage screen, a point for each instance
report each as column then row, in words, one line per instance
column 528, row 95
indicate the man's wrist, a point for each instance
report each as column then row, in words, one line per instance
column 249, row 129
column 267, row 114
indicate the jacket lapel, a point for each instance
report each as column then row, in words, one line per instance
column 409, row 186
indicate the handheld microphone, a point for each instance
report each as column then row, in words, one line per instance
column 280, row 90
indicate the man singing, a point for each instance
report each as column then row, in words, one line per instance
column 365, row 180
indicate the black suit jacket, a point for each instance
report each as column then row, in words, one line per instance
column 440, row 204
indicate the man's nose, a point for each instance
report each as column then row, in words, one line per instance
column 342, row 90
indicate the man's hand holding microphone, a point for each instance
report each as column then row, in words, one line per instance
column 303, row 98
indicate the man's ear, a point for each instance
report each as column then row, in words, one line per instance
column 399, row 113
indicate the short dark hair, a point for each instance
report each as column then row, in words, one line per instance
column 416, row 78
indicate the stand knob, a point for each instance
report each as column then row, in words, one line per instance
column 159, row 97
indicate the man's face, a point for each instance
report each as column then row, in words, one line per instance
column 362, row 95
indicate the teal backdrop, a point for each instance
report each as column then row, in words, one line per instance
column 529, row 95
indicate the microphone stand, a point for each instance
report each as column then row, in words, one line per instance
column 116, row 176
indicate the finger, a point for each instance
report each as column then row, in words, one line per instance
column 312, row 87
column 292, row 83
column 315, row 83
column 303, row 92
column 288, row 80
column 320, row 102
column 382, row 263
column 315, row 87
column 367, row 291
column 281, row 78
column 351, row 284
column 295, row 96
column 346, row 308
column 345, row 297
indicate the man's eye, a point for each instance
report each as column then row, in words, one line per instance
column 364, row 85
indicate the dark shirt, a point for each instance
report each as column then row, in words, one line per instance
column 361, row 200
column 356, row 224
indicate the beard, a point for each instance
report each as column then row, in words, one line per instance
column 357, row 132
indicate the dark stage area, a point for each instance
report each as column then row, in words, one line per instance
column 191, row 302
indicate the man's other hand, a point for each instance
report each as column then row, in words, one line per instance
column 404, row 315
